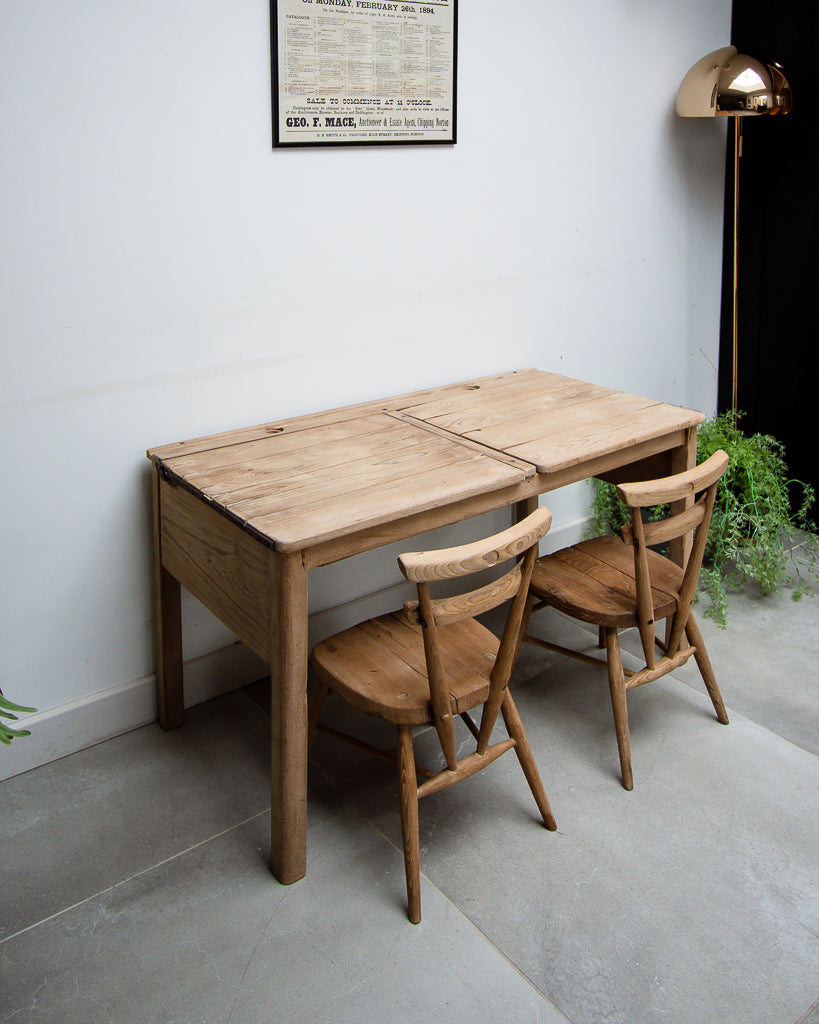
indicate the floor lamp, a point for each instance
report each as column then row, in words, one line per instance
column 727, row 83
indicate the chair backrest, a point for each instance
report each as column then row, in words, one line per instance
column 702, row 480
column 424, row 567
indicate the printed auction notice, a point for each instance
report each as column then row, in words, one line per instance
column 350, row 72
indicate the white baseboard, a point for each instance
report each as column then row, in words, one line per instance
column 101, row 716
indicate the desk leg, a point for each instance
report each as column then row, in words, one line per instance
column 683, row 458
column 169, row 689
column 288, row 717
column 522, row 509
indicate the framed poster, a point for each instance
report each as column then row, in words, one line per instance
column 357, row 72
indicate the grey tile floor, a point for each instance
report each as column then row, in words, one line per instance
column 136, row 889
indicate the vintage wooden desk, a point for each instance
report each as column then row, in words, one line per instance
column 241, row 517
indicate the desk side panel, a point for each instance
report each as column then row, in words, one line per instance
column 222, row 566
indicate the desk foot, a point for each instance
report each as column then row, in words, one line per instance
column 170, row 698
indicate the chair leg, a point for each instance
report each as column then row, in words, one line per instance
column 692, row 631
column 408, row 796
column 316, row 706
column 524, row 624
column 514, row 726
column 617, row 686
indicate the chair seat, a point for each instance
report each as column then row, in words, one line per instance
column 379, row 666
column 593, row 581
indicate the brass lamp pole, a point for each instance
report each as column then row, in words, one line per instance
column 727, row 83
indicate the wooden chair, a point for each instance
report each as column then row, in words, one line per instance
column 432, row 661
column 619, row 582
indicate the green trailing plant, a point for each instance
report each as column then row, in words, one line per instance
column 755, row 530
column 7, row 710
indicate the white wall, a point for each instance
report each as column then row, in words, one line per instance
column 165, row 274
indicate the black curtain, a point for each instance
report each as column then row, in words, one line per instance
column 778, row 240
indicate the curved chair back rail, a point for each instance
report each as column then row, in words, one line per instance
column 644, row 493
column 448, row 563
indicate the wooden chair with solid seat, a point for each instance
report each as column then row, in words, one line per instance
column 620, row 582
column 432, row 661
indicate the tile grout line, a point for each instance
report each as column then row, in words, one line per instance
column 130, row 878
column 806, row 1016
column 458, row 910
column 697, row 689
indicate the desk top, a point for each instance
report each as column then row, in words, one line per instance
column 304, row 481
column 551, row 421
